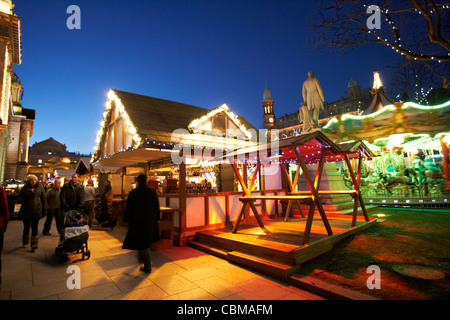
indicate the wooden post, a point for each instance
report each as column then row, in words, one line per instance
column 182, row 203
column 124, row 173
column 255, row 174
column 355, row 182
column 262, row 187
column 240, row 179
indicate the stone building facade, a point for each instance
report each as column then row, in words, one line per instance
column 16, row 122
column 49, row 155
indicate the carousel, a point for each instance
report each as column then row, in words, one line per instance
column 411, row 143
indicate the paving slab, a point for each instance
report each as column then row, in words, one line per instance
column 112, row 273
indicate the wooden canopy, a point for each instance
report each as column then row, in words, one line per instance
column 315, row 147
column 310, row 146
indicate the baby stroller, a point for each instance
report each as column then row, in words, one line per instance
column 73, row 237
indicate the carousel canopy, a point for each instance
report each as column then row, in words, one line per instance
column 394, row 124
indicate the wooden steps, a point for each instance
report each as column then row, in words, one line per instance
column 208, row 249
column 266, row 266
column 275, row 250
column 249, row 243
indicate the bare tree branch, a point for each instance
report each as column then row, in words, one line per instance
column 420, row 24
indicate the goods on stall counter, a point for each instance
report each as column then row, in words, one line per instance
column 193, row 187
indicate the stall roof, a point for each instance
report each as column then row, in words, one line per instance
column 133, row 157
column 158, row 122
column 157, row 118
column 310, row 145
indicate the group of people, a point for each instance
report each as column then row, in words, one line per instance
column 142, row 212
column 36, row 202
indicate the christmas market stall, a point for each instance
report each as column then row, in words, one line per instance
column 173, row 143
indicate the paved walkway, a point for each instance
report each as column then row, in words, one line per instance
column 180, row 273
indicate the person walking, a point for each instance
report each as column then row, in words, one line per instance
column 105, row 218
column 4, row 218
column 89, row 201
column 33, row 205
column 142, row 213
column 53, row 202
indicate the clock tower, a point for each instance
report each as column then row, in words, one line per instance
column 268, row 115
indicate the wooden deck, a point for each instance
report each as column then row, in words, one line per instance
column 276, row 249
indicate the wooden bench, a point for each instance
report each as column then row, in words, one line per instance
column 350, row 192
column 251, row 199
column 353, row 193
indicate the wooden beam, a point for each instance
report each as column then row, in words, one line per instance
column 286, row 174
column 320, row 168
column 294, row 184
column 238, row 221
column 255, row 174
column 315, row 195
column 240, row 179
column 355, row 182
column 124, row 173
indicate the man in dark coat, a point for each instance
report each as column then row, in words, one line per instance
column 72, row 194
column 142, row 215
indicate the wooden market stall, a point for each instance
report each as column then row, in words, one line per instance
column 141, row 134
column 277, row 246
column 306, row 149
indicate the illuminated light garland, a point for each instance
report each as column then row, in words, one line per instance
column 129, row 126
column 223, row 108
column 397, row 140
column 390, row 107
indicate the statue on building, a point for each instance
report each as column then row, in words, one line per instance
column 308, row 114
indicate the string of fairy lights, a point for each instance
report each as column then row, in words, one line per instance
column 397, row 46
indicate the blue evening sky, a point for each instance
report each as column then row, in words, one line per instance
column 203, row 52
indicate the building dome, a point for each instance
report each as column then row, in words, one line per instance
column 352, row 83
column 267, row 95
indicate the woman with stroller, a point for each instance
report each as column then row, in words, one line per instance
column 33, row 206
